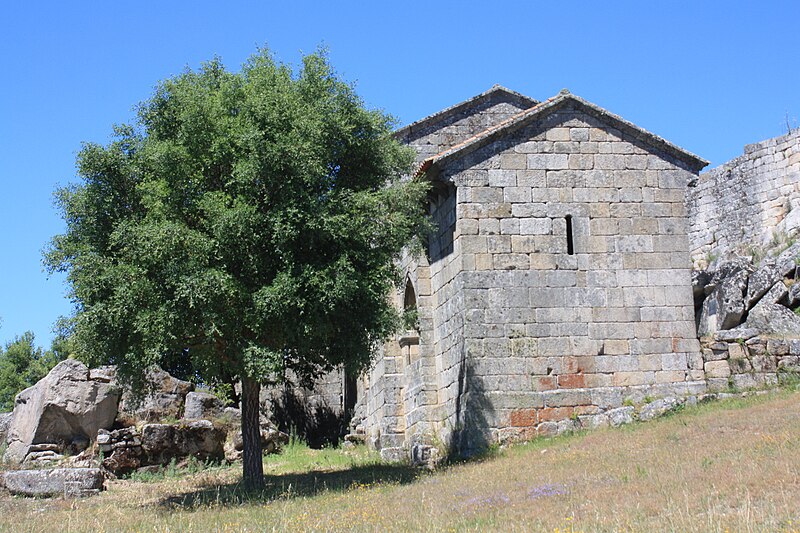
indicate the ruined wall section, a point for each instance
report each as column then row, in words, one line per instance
column 454, row 128
column 743, row 203
column 735, row 363
column 555, row 339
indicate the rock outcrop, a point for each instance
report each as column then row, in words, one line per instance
column 165, row 399
column 202, row 405
column 738, row 296
column 65, row 409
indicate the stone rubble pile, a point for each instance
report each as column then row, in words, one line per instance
column 75, row 426
column 740, row 296
column 129, row 449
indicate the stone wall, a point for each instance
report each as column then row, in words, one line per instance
column 403, row 400
column 743, row 203
column 556, row 290
column 742, row 363
column 551, row 335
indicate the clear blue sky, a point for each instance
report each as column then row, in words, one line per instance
column 708, row 76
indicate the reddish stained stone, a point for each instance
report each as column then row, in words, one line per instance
column 545, row 383
column 554, row 413
column 523, row 417
column 571, row 381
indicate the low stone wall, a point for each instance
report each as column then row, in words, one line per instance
column 744, row 202
column 747, row 363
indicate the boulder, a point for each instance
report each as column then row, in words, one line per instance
column 725, row 305
column 773, row 319
column 164, row 398
column 65, row 408
column 202, row 405
column 5, row 423
column 761, row 281
column 66, row 481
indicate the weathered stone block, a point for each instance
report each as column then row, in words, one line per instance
column 717, row 369
column 63, row 481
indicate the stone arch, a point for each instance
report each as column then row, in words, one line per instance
column 409, row 339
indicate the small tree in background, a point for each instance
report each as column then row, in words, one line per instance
column 22, row 364
column 248, row 222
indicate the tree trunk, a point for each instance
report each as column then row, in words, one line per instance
column 252, row 466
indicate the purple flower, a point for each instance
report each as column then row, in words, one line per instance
column 487, row 501
column 534, row 493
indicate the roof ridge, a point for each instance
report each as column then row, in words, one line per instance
column 496, row 88
column 485, row 133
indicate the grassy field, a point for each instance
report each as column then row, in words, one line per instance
column 727, row 466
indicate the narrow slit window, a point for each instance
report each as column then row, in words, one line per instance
column 570, row 243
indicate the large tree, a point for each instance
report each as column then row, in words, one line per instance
column 248, row 222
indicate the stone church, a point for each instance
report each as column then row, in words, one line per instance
column 556, row 286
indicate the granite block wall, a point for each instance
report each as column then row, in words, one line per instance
column 550, row 334
column 741, row 204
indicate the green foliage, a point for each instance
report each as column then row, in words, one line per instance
column 246, row 223
column 411, row 319
column 22, row 364
column 789, row 378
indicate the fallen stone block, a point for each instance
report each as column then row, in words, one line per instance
column 57, row 481
column 761, row 281
column 731, row 335
column 658, row 408
column 771, row 318
column 725, row 306
column 620, row 415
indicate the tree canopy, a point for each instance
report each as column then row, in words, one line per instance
column 247, row 221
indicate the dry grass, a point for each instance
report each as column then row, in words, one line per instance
column 729, row 466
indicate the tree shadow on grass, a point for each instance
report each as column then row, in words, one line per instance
column 289, row 486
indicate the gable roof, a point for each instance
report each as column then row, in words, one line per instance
column 495, row 92
column 549, row 106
